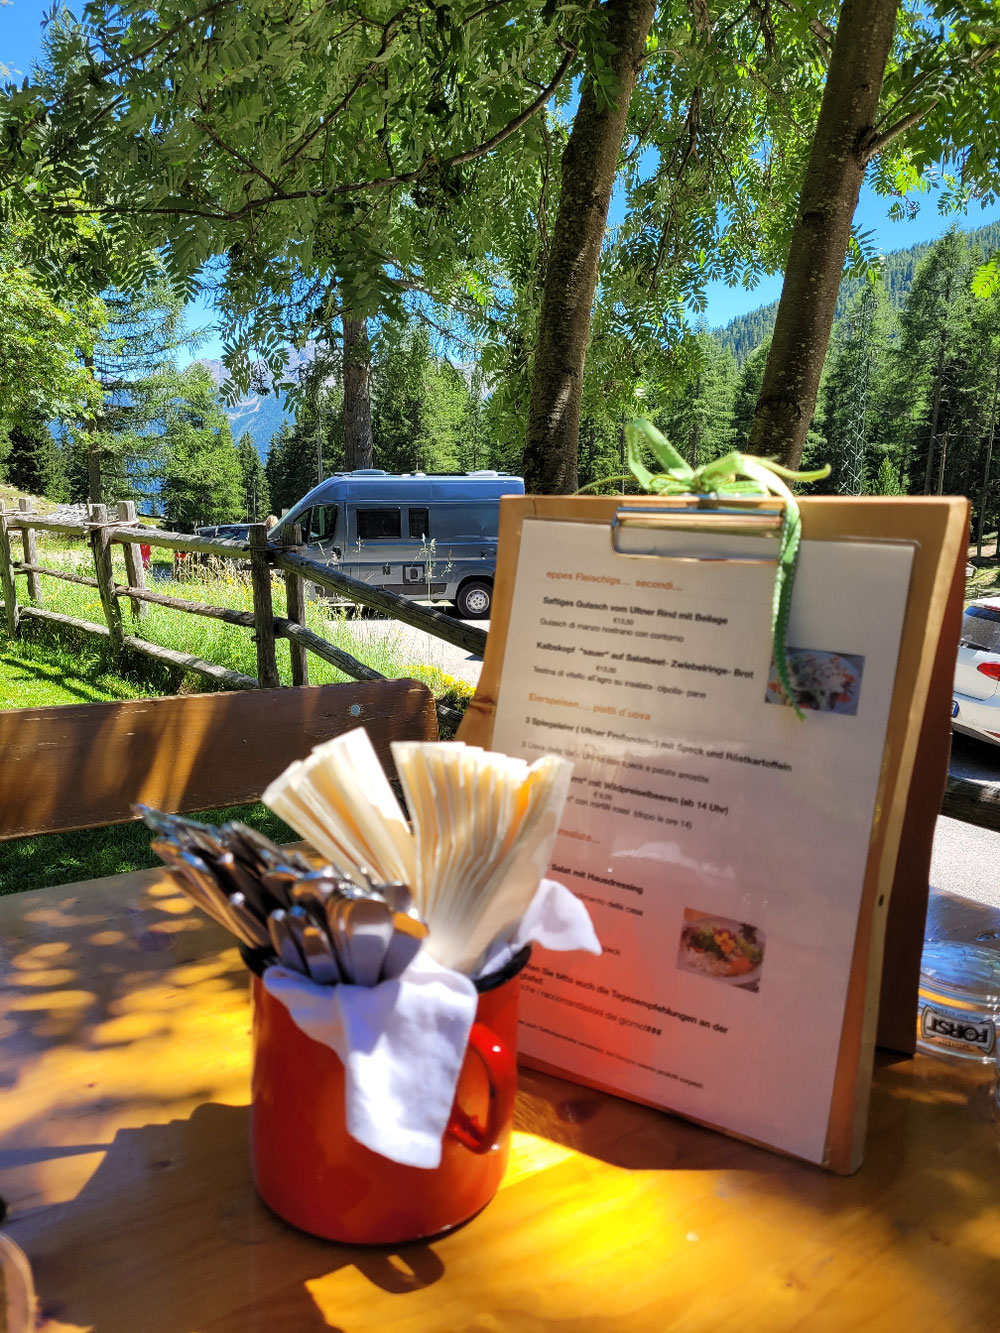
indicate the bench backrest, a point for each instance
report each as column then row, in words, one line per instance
column 83, row 765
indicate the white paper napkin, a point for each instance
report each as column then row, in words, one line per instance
column 402, row 1042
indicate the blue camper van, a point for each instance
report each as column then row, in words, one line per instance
column 433, row 538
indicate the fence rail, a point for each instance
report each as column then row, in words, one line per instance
column 379, row 599
column 103, row 531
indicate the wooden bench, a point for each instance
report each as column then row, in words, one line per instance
column 84, row 765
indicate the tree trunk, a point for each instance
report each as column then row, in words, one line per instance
column 935, row 418
column 943, row 464
column 985, row 488
column 357, row 402
column 823, row 228
column 94, row 485
column 589, row 165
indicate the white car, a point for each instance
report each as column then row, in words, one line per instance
column 975, row 708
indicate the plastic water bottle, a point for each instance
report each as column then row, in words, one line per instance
column 958, row 1012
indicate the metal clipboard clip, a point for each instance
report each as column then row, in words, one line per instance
column 709, row 517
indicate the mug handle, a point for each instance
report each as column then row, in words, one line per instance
column 501, row 1075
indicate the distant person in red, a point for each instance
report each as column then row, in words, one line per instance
column 146, row 553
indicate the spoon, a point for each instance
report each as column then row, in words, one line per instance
column 408, row 934
column 366, row 926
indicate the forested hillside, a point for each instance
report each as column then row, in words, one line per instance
column 742, row 334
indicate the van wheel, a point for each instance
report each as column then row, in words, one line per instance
column 474, row 600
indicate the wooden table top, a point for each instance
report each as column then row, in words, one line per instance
column 124, row 1161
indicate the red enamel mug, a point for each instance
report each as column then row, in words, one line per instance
column 308, row 1169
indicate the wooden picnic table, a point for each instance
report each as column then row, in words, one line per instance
column 124, row 1070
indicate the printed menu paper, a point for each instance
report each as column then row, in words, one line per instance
column 718, row 840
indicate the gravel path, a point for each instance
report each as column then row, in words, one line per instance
column 415, row 646
column 967, row 859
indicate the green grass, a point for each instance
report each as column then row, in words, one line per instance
column 65, row 858
column 213, row 640
column 37, row 674
column 985, row 582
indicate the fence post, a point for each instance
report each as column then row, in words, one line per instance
column 100, row 546
column 133, row 558
column 263, row 608
column 295, row 604
column 30, row 554
column 7, row 576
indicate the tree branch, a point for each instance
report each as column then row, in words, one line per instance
column 877, row 141
column 388, row 36
column 816, row 26
column 514, row 125
column 279, row 196
column 226, row 148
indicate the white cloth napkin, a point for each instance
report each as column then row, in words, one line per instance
column 402, row 1042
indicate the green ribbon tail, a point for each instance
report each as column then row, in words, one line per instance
column 784, row 582
column 784, row 577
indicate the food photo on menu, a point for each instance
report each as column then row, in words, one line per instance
column 721, row 949
column 823, row 681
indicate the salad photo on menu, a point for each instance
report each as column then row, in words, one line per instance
column 824, row 682
column 721, row 949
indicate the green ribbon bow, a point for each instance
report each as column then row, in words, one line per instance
column 734, row 474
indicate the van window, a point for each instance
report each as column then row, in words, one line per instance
column 474, row 521
column 379, row 524
column 419, row 526
column 319, row 524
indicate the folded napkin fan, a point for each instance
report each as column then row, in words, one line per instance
column 402, row 1042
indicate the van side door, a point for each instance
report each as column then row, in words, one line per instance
column 376, row 546
column 424, row 565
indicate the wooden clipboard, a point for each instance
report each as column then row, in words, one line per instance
column 882, row 988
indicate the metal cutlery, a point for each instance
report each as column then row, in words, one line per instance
column 315, row 919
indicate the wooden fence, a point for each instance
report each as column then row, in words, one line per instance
column 102, row 532
column 974, row 802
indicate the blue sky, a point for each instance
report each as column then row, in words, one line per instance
column 20, row 42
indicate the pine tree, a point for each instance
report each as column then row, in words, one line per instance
column 34, row 463
column 747, row 392
column 930, row 370
column 398, row 401
column 696, row 419
column 987, row 363
column 256, row 494
column 476, row 450
column 302, row 452
column 133, row 363
column 290, row 469
column 203, row 481
column 854, row 394
column 420, row 405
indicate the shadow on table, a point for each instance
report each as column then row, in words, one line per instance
column 923, row 1204
column 168, row 1235
column 139, row 956
column 167, row 1231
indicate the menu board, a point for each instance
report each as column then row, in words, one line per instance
column 719, row 841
